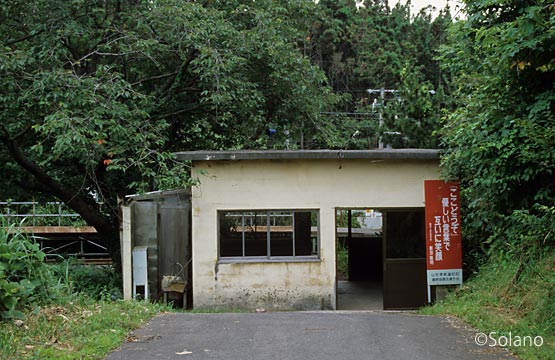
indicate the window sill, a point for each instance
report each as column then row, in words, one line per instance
column 275, row 259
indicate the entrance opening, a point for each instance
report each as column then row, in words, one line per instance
column 359, row 241
column 381, row 260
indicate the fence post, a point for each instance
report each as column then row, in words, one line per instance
column 34, row 213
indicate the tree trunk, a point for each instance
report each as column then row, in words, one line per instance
column 106, row 225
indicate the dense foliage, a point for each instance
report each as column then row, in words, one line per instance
column 370, row 45
column 375, row 46
column 27, row 282
column 499, row 142
column 96, row 95
column 500, row 139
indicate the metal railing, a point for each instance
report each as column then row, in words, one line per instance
column 80, row 247
column 33, row 213
column 55, row 242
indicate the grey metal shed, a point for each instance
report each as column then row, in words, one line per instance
column 159, row 221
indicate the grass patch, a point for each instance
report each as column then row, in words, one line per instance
column 66, row 310
column 82, row 329
column 509, row 295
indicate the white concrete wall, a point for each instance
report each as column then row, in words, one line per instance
column 289, row 184
column 125, row 246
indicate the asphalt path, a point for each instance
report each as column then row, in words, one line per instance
column 318, row 335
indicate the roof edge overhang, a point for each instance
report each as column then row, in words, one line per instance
column 377, row 154
column 153, row 195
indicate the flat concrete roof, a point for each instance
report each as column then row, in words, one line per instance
column 376, row 154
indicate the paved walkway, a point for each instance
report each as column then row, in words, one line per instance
column 318, row 335
column 359, row 295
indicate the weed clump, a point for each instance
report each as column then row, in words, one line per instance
column 96, row 282
column 27, row 281
column 24, row 277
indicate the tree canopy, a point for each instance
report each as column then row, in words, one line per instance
column 375, row 46
column 499, row 141
column 96, row 95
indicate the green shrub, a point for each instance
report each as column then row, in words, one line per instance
column 24, row 278
column 93, row 281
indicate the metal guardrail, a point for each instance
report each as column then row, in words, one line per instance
column 32, row 213
column 56, row 228
column 80, row 247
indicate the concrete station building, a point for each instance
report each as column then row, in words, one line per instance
column 265, row 224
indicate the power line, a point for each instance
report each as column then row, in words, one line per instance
column 338, row 113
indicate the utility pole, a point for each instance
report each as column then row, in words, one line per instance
column 382, row 92
column 380, row 122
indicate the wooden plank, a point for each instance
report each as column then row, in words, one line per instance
column 54, row 229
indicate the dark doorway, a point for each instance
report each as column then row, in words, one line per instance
column 359, row 259
column 381, row 260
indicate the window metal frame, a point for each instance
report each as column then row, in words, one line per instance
column 268, row 257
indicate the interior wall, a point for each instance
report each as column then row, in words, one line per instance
column 290, row 184
column 365, row 259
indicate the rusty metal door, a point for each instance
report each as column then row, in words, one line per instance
column 404, row 262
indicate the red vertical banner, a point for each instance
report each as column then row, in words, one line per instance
column 443, row 232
